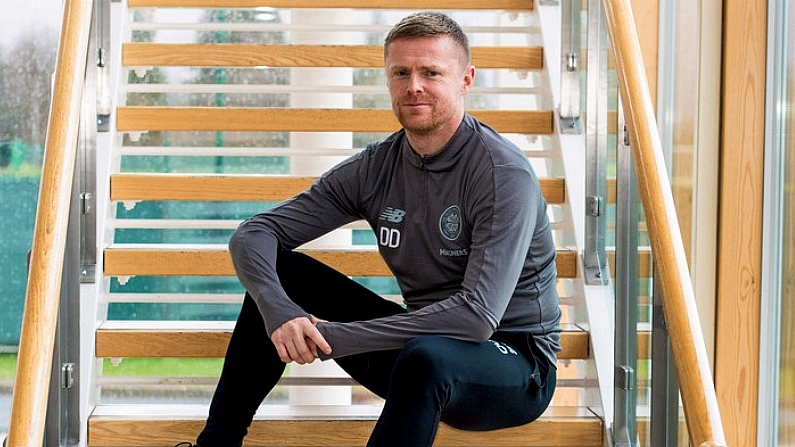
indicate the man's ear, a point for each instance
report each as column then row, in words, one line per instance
column 468, row 80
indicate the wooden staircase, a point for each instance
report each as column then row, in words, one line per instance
column 234, row 137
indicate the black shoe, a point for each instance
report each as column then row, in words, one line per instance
column 181, row 444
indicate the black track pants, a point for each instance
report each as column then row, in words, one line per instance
column 470, row 386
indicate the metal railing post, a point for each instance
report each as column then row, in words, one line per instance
column 570, row 74
column 596, row 147
column 664, row 429
column 625, row 426
column 62, row 422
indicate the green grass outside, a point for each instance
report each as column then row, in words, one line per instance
column 138, row 367
column 163, row 367
column 26, row 170
column 8, row 366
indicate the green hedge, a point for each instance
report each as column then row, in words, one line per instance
column 18, row 196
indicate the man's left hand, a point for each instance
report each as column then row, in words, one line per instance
column 298, row 340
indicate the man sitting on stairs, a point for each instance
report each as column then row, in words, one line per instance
column 462, row 224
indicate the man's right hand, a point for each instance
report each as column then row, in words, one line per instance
column 298, row 340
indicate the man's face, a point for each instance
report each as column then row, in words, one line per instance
column 427, row 79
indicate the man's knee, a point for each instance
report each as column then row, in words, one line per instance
column 422, row 374
column 424, row 358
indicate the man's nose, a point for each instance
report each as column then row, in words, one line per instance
column 415, row 83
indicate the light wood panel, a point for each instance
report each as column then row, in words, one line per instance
column 138, row 187
column 145, row 54
column 557, row 427
column 198, row 340
column 740, row 218
column 262, row 119
column 125, row 262
column 511, row 5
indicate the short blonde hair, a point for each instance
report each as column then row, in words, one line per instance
column 428, row 24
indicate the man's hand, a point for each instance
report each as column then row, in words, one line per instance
column 298, row 340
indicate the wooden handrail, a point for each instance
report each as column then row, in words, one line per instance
column 687, row 341
column 37, row 337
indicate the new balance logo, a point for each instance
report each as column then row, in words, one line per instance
column 394, row 215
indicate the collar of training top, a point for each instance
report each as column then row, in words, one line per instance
column 445, row 158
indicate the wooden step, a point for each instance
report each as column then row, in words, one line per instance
column 124, row 261
column 265, row 119
column 125, row 339
column 139, row 187
column 645, row 262
column 145, row 54
column 327, row 426
column 508, row 5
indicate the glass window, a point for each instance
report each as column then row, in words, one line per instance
column 28, row 45
column 786, row 382
column 777, row 348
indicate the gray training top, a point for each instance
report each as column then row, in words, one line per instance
column 465, row 233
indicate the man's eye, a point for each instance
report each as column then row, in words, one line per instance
column 432, row 73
